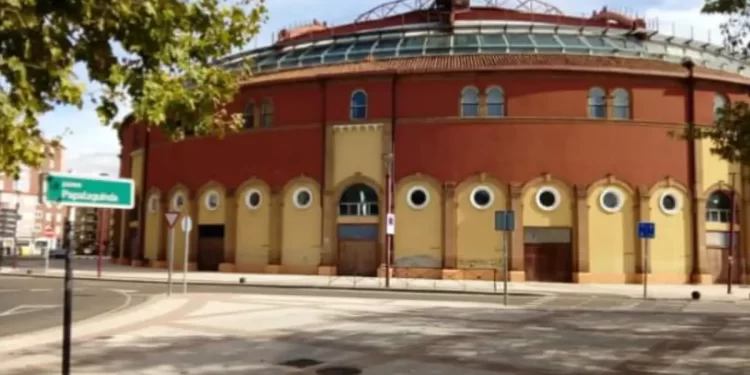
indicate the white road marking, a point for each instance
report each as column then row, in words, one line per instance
column 42, row 290
column 9, row 290
column 124, row 290
column 25, row 309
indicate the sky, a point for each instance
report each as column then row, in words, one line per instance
column 93, row 149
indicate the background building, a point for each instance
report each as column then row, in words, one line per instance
column 444, row 113
column 40, row 226
column 92, row 229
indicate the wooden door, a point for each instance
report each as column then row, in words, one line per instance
column 718, row 265
column 210, row 253
column 548, row 262
column 358, row 258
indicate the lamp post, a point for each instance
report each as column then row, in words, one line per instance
column 388, row 161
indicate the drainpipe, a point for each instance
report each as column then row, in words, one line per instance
column 390, row 183
column 323, row 184
column 144, row 189
column 692, row 178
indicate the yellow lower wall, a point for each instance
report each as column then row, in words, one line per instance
column 154, row 224
column 253, row 228
column 612, row 237
column 418, row 238
column 478, row 244
column 301, row 229
column 670, row 252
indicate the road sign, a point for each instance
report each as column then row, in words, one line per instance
column 505, row 221
column 171, row 217
column 186, row 224
column 390, row 224
column 646, row 229
column 88, row 191
column 9, row 218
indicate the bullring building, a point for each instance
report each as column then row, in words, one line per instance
column 443, row 113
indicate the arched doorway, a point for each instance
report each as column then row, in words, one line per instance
column 357, row 229
column 721, row 222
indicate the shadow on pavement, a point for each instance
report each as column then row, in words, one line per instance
column 433, row 341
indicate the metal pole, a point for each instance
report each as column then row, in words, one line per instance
column 504, row 238
column 46, row 259
column 15, row 233
column 645, row 267
column 389, row 210
column 185, row 262
column 730, row 251
column 99, row 257
column 68, row 295
column 170, row 255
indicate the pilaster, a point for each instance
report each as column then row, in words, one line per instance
column 194, row 209
column 704, row 274
column 163, row 229
column 581, row 250
column 644, row 214
column 450, row 250
column 328, row 255
column 230, row 231
column 517, row 251
column 275, row 230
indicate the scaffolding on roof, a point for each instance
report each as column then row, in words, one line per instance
column 395, row 7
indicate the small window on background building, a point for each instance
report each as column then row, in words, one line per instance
column 266, row 114
column 621, row 104
column 249, row 115
column 597, row 103
column 358, row 105
column 470, row 102
column 495, row 102
column 720, row 104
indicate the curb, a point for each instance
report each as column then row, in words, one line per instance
column 306, row 287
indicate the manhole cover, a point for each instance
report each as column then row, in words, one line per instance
column 301, row 363
column 339, row 371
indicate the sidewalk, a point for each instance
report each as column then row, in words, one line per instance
column 130, row 274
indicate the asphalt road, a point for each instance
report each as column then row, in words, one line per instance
column 28, row 304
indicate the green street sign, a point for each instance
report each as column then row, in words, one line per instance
column 88, row 191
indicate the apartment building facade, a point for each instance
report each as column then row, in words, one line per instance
column 40, row 226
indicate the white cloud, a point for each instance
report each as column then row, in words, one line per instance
column 683, row 18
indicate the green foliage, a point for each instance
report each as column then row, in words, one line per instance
column 155, row 53
column 730, row 133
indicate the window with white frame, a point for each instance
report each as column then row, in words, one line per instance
column 495, row 102
column 621, row 104
column 470, row 102
column 358, row 105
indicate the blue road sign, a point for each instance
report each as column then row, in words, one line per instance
column 505, row 221
column 646, row 229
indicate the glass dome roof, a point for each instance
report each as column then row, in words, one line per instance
column 507, row 39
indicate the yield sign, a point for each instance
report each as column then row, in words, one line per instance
column 171, row 217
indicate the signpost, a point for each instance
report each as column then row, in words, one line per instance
column 646, row 232
column 171, row 218
column 80, row 191
column 9, row 218
column 187, row 226
column 505, row 221
column 88, row 191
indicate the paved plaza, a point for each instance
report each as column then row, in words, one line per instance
column 313, row 335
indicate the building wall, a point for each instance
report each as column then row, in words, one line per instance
column 534, row 147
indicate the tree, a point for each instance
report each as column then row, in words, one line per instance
column 153, row 53
column 730, row 134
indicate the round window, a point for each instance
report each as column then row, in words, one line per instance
column 669, row 202
column 252, row 199
column 303, row 198
column 611, row 200
column 178, row 201
column 482, row 197
column 548, row 198
column 212, row 200
column 417, row 197
column 153, row 203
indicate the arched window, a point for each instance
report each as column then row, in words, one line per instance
column 470, row 102
column 266, row 113
column 495, row 102
column 358, row 105
column 720, row 102
column 621, row 104
column 359, row 200
column 249, row 115
column 597, row 103
column 719, row 207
